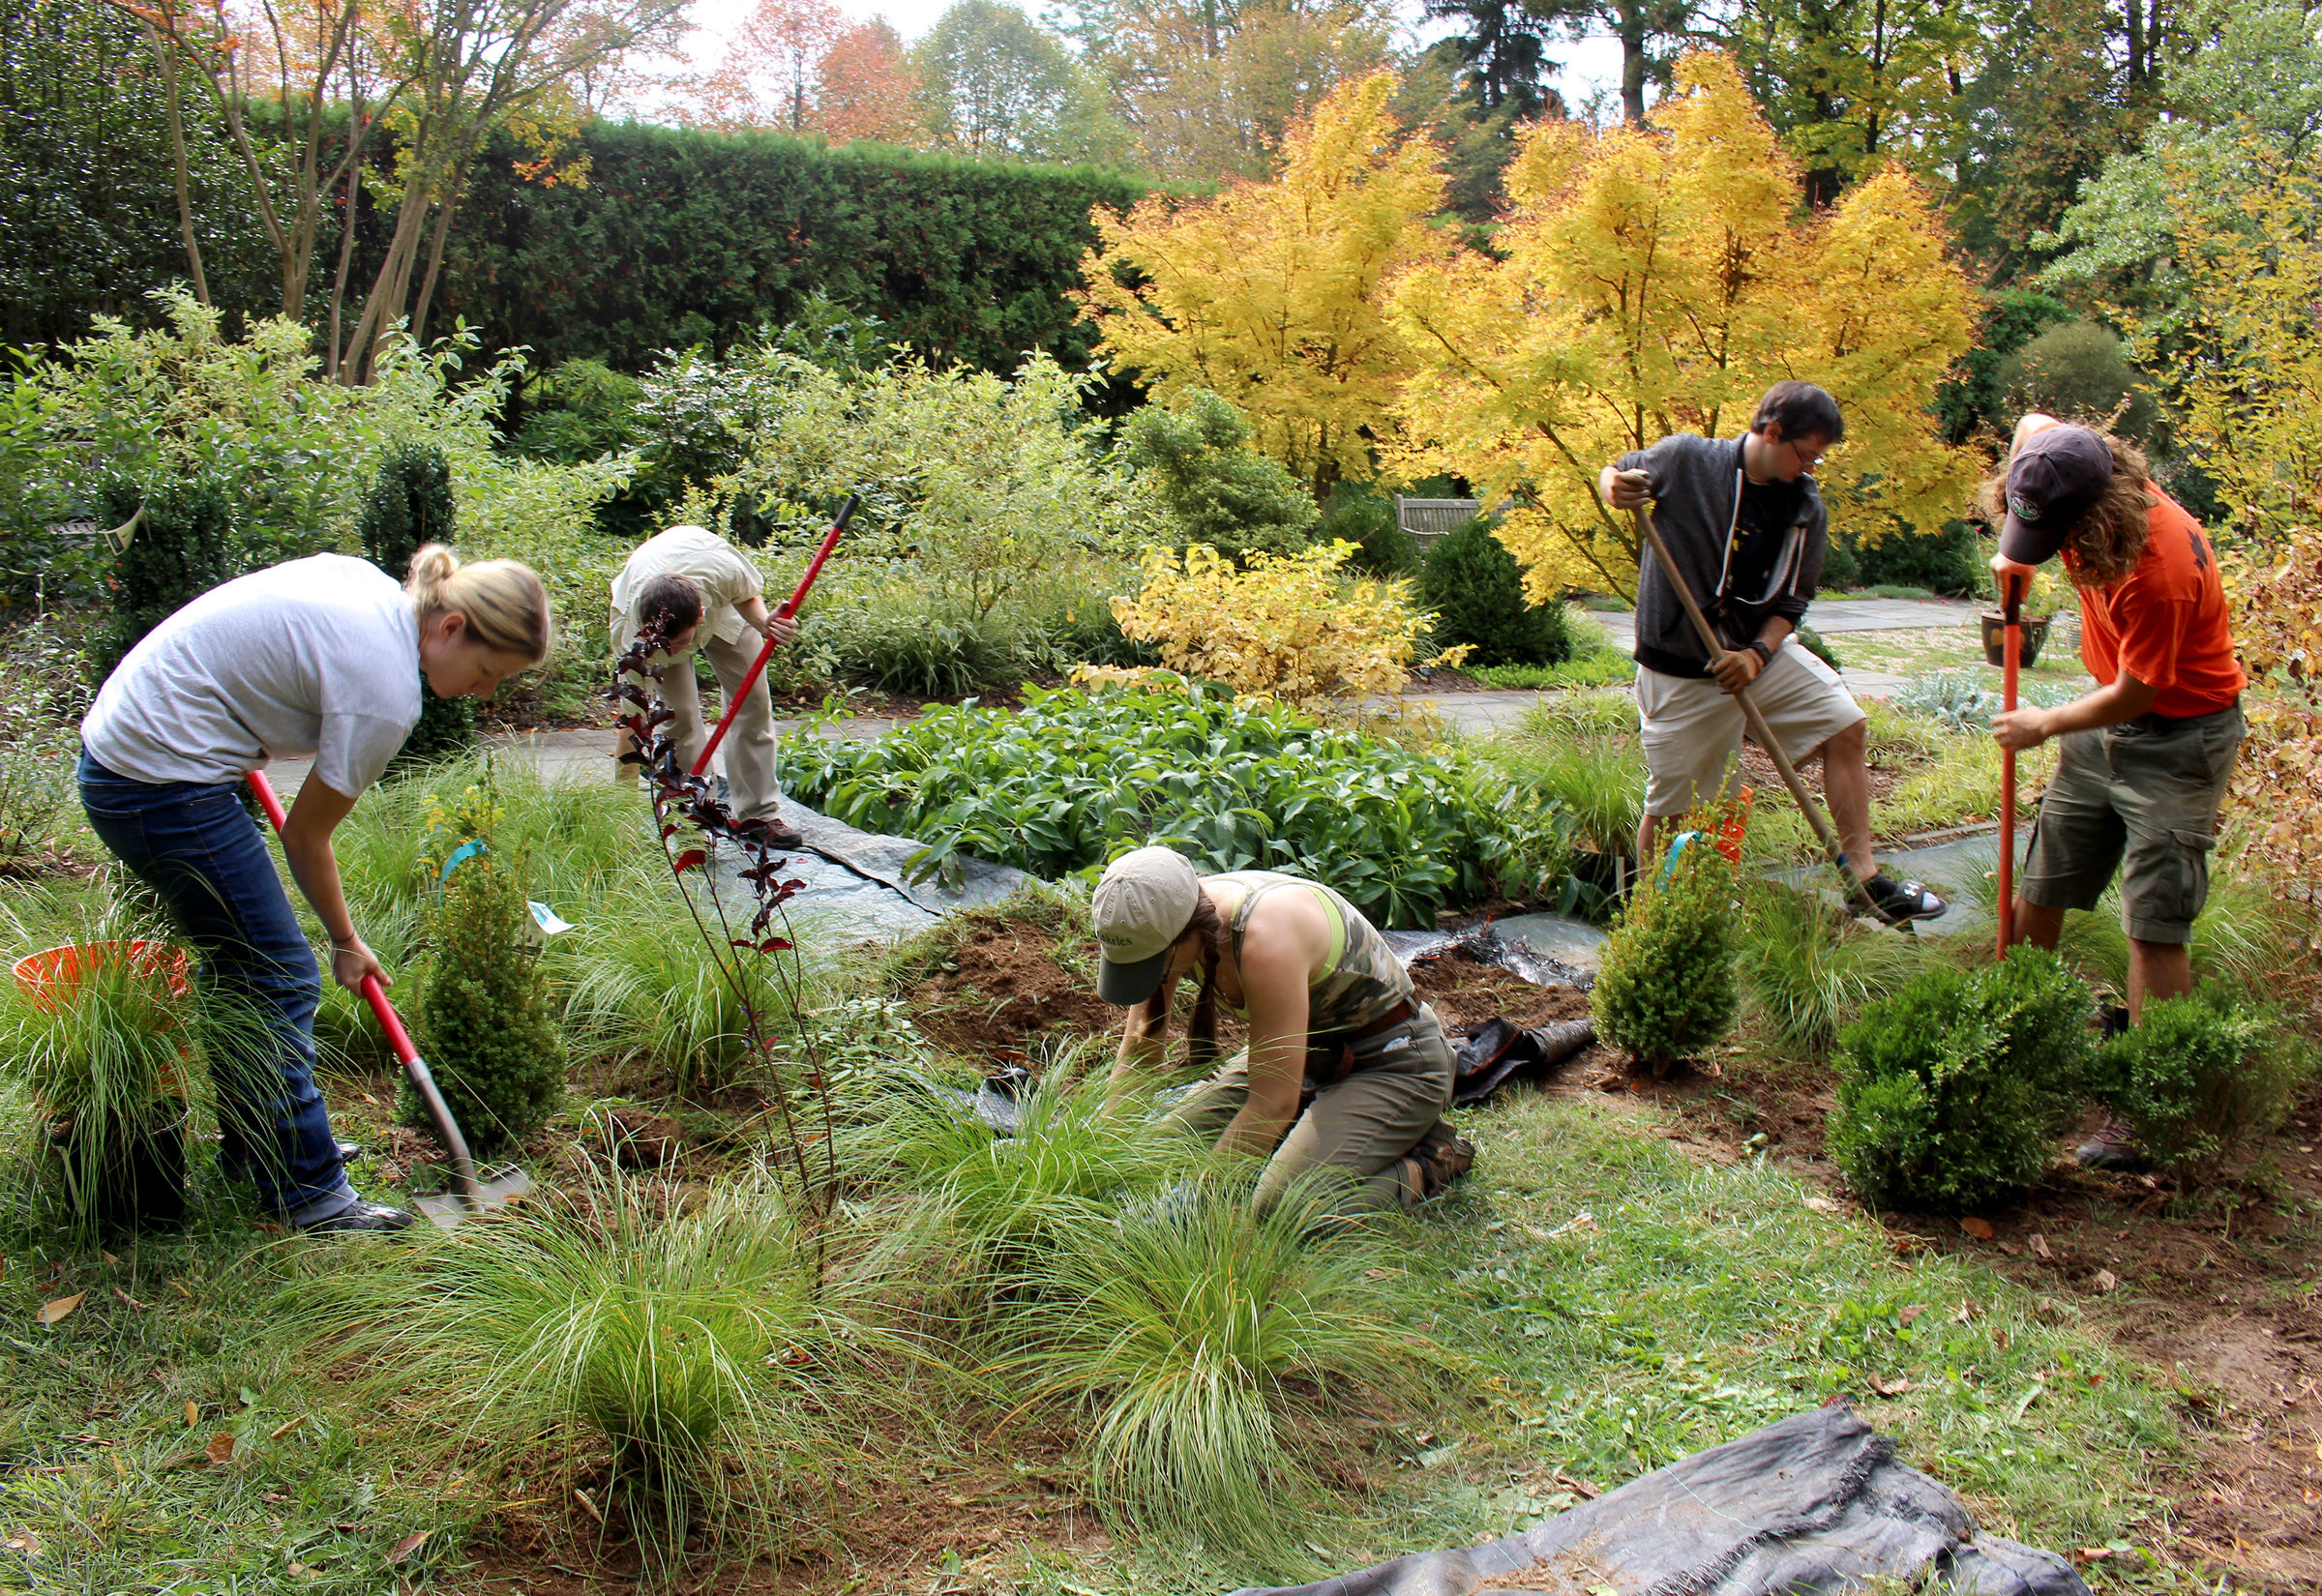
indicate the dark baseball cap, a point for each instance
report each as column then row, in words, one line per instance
column 2055, row 479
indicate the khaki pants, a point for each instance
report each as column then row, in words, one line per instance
column 748, row 749
column 1361, row 1126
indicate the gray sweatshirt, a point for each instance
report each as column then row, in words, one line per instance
column 1740, row 575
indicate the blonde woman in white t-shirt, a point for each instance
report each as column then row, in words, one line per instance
column 704, row 595
column 319, row 655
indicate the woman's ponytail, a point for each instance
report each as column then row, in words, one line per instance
column 504, row 602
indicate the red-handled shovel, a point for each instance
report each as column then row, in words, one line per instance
column 790, row 608
column 2011, row 609
column 471, row 1195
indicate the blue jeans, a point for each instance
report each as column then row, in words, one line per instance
column 203, row 856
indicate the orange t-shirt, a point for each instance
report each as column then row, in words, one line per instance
column 2164, row 622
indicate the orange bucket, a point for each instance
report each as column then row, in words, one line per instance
column 49, row 979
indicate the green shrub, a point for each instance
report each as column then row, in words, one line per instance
column 1217, row 488
column 182, row 547
column 1073, row 779
column 1948, row 561
column 1362, row 515
column 2082, row 372
column 410, row 504
column 1476, row 589
column 1667, row 991
column 483, row 1014
column 2198, row 1075
column 1216, row 1351
column 1951, row 1090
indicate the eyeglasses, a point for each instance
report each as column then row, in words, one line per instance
column 1805, row 462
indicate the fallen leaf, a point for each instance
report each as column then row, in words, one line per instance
column 285, row 1428
column 409, row 1543
column 2038, row 1244
column 2106, row 1280
column 58, row 1307
column 1822, row 1206
column 587, row 1504
column 110, row 1262
column 193, row 1416
column 1979, row 1229
column 27, row 1543
column 2093, row 1553
column 1969, row 1313
column 1910, row 1313
column 1885, row 1388
column 1999, row 1339
column 220, row 1448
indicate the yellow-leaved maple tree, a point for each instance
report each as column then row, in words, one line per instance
column 1270, row 294
column 1657, row 280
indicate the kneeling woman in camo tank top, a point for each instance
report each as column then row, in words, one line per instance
column 1345, row 1070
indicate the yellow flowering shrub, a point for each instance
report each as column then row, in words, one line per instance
column 1289, row 626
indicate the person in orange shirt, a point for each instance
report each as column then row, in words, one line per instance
column 2145, row 757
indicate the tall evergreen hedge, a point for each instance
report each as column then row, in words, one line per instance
column 685, row 237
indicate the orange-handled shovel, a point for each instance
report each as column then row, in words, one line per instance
column 2011, row 609
column 471, row 1195
column 790, row 608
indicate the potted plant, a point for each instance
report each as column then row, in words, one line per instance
column 2048, row 594
column 101, row 1034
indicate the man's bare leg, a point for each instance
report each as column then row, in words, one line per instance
column 622, row 743
column 1846, row 789
column 2038, row 925
column 2156, row 971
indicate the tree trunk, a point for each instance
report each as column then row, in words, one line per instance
column 346, row 242
column 446, row 213
column 165, row 56
column 1630, row 27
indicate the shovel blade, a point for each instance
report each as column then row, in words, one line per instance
column 448, row 1208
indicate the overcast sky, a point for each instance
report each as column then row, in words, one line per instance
column 1589, row 64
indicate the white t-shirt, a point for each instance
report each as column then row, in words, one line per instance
column 725, row 577
column 316, row 656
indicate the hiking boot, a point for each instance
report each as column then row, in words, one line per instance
column 771, row 832
column 363, row 1215
column 1442, row 1155
column 2113, row 1146
column 2113, row 1021
column 1896, row 903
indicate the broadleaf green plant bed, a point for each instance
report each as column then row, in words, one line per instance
column 1075, row 777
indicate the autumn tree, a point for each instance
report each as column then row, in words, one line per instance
column 1271, row 294
column 993, row 82
column 1209, row 87
column 865, row 87
column 1657, row 280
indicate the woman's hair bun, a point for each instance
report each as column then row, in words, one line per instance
column 505, row 604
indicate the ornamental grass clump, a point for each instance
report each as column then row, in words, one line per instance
column 665, row 1367
column 1806, row 969
column 2197, row 1076
column 483, row 1014
column 995, row 1205
column 1216, row 1351
column 1952, row 1091
column 1667, row 990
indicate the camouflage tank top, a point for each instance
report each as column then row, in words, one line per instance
column 1362, row 979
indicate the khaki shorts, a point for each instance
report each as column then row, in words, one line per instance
column 2144, row 794
column 1694, row 729
column 1359, row 1127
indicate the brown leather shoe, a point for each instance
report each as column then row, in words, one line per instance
column 771, row 832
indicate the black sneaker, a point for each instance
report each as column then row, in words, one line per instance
column 1897, row 902
column 361, row 1216
column 2113, row 1146
column 2113, row 1021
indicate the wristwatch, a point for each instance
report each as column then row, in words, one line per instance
column 1757, row 646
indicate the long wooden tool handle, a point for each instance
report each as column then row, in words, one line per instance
column 2011, row 609
column 790, row 608
column 415, row 1068
column 1760, row 733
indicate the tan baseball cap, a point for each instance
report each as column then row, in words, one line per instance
column 1141, row 907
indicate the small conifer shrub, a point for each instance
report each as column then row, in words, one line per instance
column 408, row 504
column 483, row 1014
column 1219, row 490
column 1951, row 1091
column 2195, row 1076
column 1668, row 988
column 1476, row 589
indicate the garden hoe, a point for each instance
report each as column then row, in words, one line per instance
column 790, row 608
column 469, row 1194
column 1759, row 732
column 2011, row 607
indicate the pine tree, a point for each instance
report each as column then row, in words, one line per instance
column 409, row 505
column 483, row 1014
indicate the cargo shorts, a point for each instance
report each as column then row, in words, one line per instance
column 2146, row 791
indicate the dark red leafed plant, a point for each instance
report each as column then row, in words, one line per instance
column 685, row 808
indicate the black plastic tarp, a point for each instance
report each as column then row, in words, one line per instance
column 1814, row 1504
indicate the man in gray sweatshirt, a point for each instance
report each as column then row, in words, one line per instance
column 1745, row 527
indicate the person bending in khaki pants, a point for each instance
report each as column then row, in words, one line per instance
column 707, row 596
